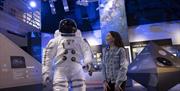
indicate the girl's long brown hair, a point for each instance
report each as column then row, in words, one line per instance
column 118, row 40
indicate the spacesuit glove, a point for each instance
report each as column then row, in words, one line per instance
column 87, row 67
column 90, row 73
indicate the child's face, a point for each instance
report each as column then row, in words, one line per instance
column 109, row 38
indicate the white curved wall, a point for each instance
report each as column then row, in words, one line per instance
column 156, row 31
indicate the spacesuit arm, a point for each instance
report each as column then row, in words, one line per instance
column 57, row 33
column 123, row 67
column 48, row 55
column 87, row 53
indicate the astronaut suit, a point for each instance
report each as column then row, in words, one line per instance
column 66, row 54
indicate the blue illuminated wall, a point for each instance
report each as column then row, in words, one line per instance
column 113, row 18
column 94, row 37
column 34, row 45
column 156, row 31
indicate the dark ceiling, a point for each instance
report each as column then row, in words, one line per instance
column 150, row 11
column 87, row 17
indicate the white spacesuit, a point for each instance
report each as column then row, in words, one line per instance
column 70, row 53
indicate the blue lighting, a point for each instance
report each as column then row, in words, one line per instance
column 32, row 4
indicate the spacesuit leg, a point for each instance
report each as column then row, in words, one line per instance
column 78, row 82
column 60, row 82
column 78, row 85
column 60, row 86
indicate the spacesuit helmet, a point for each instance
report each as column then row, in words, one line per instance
column 67, row 26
